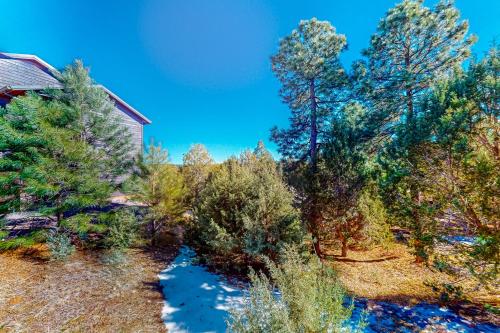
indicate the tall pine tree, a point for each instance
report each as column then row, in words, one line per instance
column 96, row 121
column 63, row 153
column 412, row 48
column 47, row 167
column 313, row 85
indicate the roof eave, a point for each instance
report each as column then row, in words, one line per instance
column 121, row 101
column 26, row 88
column 34, row 58
column 57, row 73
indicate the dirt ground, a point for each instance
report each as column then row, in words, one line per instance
column 89, row 294
column 85, row 294
column 392, row 275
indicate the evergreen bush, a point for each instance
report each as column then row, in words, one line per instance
column 60, row 246
column 377, row 230
column 246, row 207
column 122, row 230
column 301, row 295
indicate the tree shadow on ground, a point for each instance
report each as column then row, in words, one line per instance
column 345, row 259
column 384, row 316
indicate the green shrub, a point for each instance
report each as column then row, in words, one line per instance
column 245, row 207
column 60, row 246
column 35, row 237
column 311, row 299
column 122, row 228
column 377, row 230
column 82, row 224
column 115, row 257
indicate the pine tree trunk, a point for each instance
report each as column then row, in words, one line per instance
column 153, row 233
column 315, row 218
column 59, row 214
column 313, row 140
column 419, row 247
column 419, row 250
column 344, row 248
column 414, row 191
column 315, row 226
column 409, row 90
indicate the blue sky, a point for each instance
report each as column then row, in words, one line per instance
column 199, row 69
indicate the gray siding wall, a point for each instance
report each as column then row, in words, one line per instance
column 134, row 127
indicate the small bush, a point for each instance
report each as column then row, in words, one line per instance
column 114, row 257
column 3, row 234
column 82, row 224
column 27, row 241
column 122, row 229
column 60, row 246
column 377, row 230
column 310, row 299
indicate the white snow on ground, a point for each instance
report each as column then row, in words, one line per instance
column 196, row 300
column 464, row 240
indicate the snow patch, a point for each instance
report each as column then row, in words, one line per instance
column 196, row 300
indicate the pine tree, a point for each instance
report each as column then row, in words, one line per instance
column 70, row 175
column 343, row 175
column 413, row 46
column 46, row 162
column 96, row 121
column 313, row 81
column 196, row 166
column 161, row 187
column 313, row 85
column 64, row 153
column 463, row 161
column 20, row 144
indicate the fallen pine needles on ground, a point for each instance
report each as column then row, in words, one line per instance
column 90, row 292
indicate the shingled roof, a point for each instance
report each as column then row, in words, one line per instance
column 18, row 72
column 23, row 72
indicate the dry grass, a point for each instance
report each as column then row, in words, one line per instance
column 392, row 275
column 83, row 294
column 385, row 274
column 86, row 295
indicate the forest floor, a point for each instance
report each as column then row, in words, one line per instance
column 391, row 275
column 90, row 292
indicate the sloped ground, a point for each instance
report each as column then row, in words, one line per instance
column 84, row 294
column 385, row 274
column 392, row 276
column 88, row 294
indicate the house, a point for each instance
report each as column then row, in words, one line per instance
column 20, row 73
